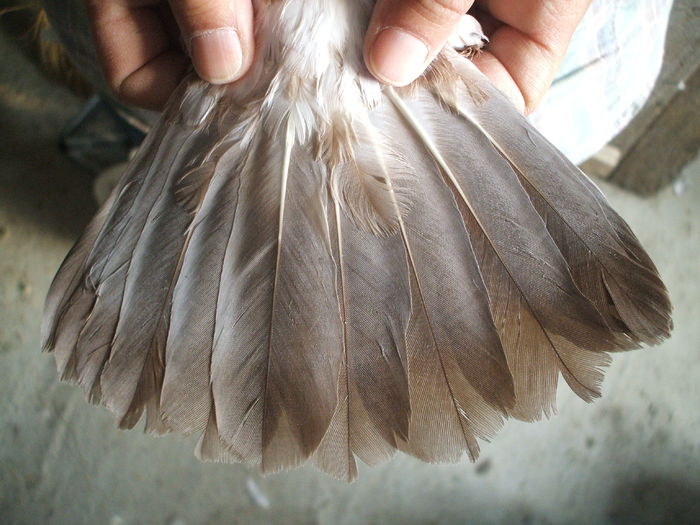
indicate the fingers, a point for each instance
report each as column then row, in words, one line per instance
column 528, row 43
column 139, row 63
column 518, row 67
column 545, row 19
column 405, row 35
column 143, row 63
column 218, row 35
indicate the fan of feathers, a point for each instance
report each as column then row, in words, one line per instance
column 309, row 266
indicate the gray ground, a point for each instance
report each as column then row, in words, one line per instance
column 632, row 457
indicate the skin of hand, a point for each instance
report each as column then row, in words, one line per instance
column 140, row 42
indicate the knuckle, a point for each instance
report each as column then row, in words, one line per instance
column 203, row 14
column 114, row 83
column 443, row 13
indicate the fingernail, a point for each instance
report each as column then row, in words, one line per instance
column 397, row 58
column 217, row 54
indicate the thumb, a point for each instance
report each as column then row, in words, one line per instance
column 218, row 35
column 405, row 35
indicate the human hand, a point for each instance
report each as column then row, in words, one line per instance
column 138, row 42
column 528, row 40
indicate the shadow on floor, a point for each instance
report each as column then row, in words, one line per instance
column 38, row 182
column 43, row 186
column 656, row 500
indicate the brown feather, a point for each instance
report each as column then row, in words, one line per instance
column 298, row 278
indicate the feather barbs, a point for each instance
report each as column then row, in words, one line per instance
column 308, row 276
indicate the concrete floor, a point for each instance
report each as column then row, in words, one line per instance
column 632, row 457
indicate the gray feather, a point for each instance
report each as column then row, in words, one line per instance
column 301, row 266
